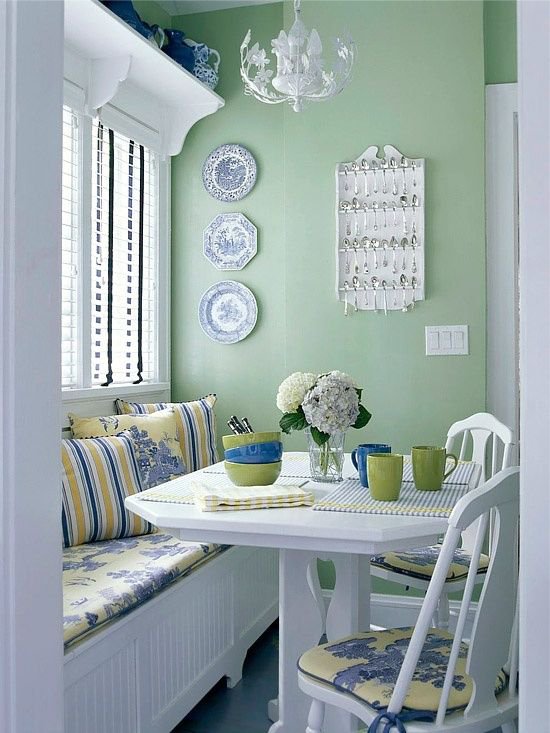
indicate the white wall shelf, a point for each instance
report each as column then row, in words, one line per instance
column 116, row 55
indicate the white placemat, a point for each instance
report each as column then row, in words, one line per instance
column 461, row 475
column 179, row 491
column 350, row 496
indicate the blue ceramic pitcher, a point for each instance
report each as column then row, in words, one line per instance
column 202, row 69
column 178, row 49
column 126, row 12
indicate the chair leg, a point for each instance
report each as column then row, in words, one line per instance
column 509, row 727
column 315, row 717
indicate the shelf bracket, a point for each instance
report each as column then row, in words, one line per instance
column 105, row 75
column 178, row 122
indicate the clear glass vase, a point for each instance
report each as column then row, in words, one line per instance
column 326, row 461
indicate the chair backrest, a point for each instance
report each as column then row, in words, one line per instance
column 493, row 640
column 483, row 438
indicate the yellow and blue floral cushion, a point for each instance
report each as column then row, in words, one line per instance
column 420, row 563
column 97, row 475
column 104, row 580
column 196, row 427
column 155, row 438
column 367, row 665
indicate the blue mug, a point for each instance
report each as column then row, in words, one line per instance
column 359, row 458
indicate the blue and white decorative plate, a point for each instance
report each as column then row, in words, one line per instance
column 228, row 312
column 229, row 172
column 230, row 241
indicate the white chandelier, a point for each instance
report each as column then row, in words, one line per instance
column 301, row 72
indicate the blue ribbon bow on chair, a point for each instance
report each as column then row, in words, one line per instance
column 397, row 720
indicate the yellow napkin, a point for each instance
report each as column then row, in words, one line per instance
column 210, row 499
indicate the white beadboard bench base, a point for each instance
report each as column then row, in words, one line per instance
column 146, row 671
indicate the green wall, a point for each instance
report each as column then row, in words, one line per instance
column 421, row 88
column 500, row 31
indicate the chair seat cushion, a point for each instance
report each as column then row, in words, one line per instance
column 420, row 563
column 367, row 665
column 104, row 580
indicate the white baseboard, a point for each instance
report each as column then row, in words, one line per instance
column 389, row 611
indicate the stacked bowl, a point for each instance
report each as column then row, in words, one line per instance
column 253, row 459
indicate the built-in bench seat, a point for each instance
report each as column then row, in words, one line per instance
column 104, row 580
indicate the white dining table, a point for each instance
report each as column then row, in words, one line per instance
column 302, row 536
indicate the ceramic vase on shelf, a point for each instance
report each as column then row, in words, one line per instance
column 178, row 49
column 326, row 461
column 205, row 72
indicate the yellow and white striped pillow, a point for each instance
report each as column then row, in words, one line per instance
column 196, row 424
column 98, row 474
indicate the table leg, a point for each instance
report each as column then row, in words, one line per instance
column 299, row 629
column 301, row 624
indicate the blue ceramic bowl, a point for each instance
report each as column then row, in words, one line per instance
column 269, row 452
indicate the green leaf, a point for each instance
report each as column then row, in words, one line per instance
column 293, row 421
column 362, row 418
column 319, row 437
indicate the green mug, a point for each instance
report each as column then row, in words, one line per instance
column 385, row 474
column 428, row 464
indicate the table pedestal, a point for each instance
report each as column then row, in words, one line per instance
column 302, row 622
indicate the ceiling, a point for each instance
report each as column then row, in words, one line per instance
column 185, row 7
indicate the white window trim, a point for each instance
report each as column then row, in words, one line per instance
column 126, row 123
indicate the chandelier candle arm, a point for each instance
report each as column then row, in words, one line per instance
column 302, row 73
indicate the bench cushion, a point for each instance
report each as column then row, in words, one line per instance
column 104, row 580
column 196, row 427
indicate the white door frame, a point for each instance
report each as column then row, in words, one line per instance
column 501, row 199
column 534, row 203
column 31, row 643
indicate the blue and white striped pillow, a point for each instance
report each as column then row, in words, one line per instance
column 98, row 474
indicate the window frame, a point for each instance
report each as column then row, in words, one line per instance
column 127, row 124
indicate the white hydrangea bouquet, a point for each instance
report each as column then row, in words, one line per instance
column 326, row 405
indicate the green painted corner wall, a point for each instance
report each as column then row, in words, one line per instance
column 500, row 34
column 422, row 91
column 437, row 112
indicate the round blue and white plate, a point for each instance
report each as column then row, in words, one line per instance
column 229, row 172
column 230, row 241
column 228, row 312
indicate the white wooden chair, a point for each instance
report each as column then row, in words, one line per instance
column 424, row 680
column 488, row 442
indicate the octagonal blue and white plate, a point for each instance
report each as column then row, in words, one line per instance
column 230, row 241
column 228, row 312
column 229, row 172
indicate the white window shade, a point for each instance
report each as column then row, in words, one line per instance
column 70, row 248
column 124, row 259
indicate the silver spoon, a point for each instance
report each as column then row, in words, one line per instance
column 404, row 282
column 374, row 166
column 365, row 166
column 347, row 263
column 404, row 202
column 375, row 244
column 414, row 283
column 393, row 164
column 385, row 285
column 393, row 245
column 413, row 164
column 345, row 207
column 346, row 171
column 384, row 183
column 355, row 282
column 394, row 286
column 366, row 246
column 375, row 283
column 415, row 204
column 414, row 244
column 346, row 288
column 385, row 210
column 404, row 244
column 355, row 168
column 394, row 207
column 365, row 211
column 355, row 262
column 356, row 207
column 375, row 209
column 384, row 244
column 404, row 165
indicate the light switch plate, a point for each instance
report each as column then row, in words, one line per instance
column 446, row 340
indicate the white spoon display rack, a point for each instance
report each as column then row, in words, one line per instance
column 380, row 231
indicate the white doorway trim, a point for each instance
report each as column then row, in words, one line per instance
column 31, row 645
column 534, row 201
column 501, row 197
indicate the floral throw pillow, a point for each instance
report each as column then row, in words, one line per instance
column 155, row 439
